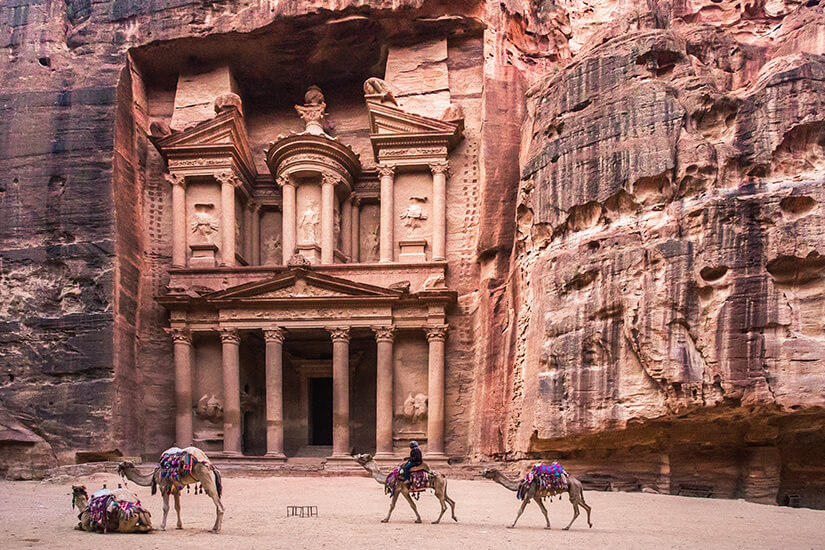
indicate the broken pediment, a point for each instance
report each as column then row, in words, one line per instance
column 397, row 133
column 302, row 284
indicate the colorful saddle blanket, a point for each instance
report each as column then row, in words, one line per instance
column 176, row 465
column 549, row 476
column 418, row 481
column 103, row 504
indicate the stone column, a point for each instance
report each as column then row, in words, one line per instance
column 231, row 391
column 287, row 217
column 356, row 229
column 384, row 337
column 440, row 171
column 256, row 234
column 247, row 233
column 327, row 220
column 340, row 392
column 387, row 182
column 346, row 228
column 436, row 336
column 228, row 182
column 179, row 232
column 274, row 392
column 182, row 342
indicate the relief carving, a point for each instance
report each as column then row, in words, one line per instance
column 414, row 215
column 377, row 87
column 209, row 408
column 272, row 250
column 204, row 223
column 415, row 407
column 309, row 223
column 373, row 243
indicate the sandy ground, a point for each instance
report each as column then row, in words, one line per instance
column 35, row 515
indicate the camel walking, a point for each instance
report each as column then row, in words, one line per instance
column 437, row 482
column 121, row 511
column 537, row 493
column 202, row 472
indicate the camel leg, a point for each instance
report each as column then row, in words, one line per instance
column 412, row 505
column 392, row 506
column 450, row 501
column 543, row 511
column 520, row 511
column 177, row 511
column 587, row 509
column 443, row 506
column 212, row 490
column 165, row 510
column 575, row 515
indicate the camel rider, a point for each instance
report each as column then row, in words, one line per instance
column 415, row 459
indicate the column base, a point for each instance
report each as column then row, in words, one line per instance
column 275, row 456
column 384, row 456
column 231, row 454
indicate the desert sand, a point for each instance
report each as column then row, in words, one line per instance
column 39, row 515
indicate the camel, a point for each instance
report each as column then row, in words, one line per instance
column 536, row 493
column 116, row 520
column 438, row 483
column 202, row 472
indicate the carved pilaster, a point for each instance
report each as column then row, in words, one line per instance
column 228, row 178
column 384, row 334
column 339, row 334
column 276, row 334
column 229, row 336
column 436, row 333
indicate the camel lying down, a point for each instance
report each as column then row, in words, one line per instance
column 110, row 511
column 537, row 493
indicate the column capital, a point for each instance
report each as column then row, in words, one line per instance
column 386, row 170
column 330, row 179
column 274, row 334
column 440, row 167
column 436, row 333
column 228, row 178
column 253, row 206
column 285, row 179
column 339, row 334
column 355, row 199
column 229, row 336
column 175, row 178
column 384, row 334
column 180, row 335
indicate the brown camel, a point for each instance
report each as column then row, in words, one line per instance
column 117, row 521
column 438, row 483
column 202, row 472
column 537, row 493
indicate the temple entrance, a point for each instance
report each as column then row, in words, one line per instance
column 320, row 398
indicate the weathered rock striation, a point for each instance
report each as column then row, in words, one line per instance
column 636, row 226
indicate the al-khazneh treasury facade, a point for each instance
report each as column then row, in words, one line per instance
column 308, row 305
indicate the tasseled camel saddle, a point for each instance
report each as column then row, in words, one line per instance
column 419, row 479
column 549, row 476
column 105, row 503
column 176, row 464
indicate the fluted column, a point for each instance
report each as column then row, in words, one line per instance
column 384, row 337
column 274, row 392
column 288, row 217
column 436, row 336
column 346, row 228
column 231, row 344
column 228, row 182
column 356, row 229
column 179, row 233
column 256, row 234
column 440, row 172
column 182, row 343
column 340, row 392
column 387, row 174
column 327, row 220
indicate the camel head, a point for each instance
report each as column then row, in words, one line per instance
column 123, row 466
column 79, row 497
column 363, row 459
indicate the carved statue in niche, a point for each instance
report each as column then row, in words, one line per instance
column 410, row 419
column 272, row 250
column 204, row 225
column 376, row 86
column 414, row 215
column 336, row 225
column 209, row 408
column 373, row 242
column 308, row 224
column 238, row 240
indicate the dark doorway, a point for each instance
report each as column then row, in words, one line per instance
column 320, row 399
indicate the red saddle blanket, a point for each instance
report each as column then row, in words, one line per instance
column 418, row 481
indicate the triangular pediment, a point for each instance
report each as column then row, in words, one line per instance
column 389, row 119
column 225, row 131
column 304, row 285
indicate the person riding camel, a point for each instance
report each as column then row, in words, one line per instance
column 415, row 459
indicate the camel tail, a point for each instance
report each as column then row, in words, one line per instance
column 218, row 483
column 154, row 485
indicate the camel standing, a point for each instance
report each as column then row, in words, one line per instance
column 139, row 522
column 537, row 493
column 437, row 481
column 202, row 472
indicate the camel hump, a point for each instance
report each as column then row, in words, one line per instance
column 197, row 454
